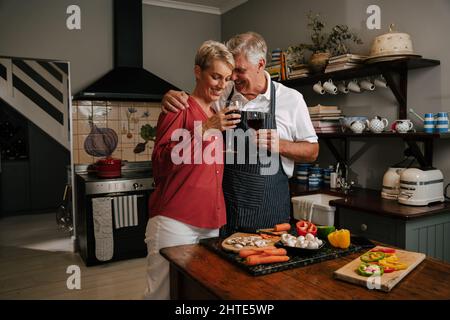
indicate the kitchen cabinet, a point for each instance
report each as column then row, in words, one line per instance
column 14, row 187
column 429, row 234
column 396, row 74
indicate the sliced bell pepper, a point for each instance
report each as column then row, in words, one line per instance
column 372, row 256
column 340, row 238
column 369, row 270
column 303, row 227
column 384, row 250
column 392, row 264
column 388, row 270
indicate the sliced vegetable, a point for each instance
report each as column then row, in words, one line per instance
column 372, row 256
column 282, row 227
column 324, row 231
column 392, row 264
column 384, row 250
column 369, row 270
column 388, row 270
column 304, row 227
column 340, row 238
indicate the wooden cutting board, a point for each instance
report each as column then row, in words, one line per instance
column 388, row 280
column 230, row 247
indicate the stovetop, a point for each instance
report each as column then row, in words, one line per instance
column 136, row 176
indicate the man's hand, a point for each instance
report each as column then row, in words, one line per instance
column 268, row 139
column 223, row 120
column 173, row 101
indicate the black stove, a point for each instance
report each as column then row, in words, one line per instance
column 136, row 181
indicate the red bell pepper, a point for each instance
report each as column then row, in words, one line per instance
column 303, row 227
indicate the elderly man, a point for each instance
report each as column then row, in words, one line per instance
column 255, row 200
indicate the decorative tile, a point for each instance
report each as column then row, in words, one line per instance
column 154, row 113
column 81, row 139
column 84, row 103
column 128, row 154
column 84, row 158
column 99, row 113
column 113, row 113
column 84, row 112
column 115, row 125
column 75, row 153
column 83, row 127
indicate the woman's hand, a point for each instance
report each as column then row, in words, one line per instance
column 223, row 120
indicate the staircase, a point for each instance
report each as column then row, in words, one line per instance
column 39, row 90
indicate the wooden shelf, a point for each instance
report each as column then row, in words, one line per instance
column 396, row 74
column 410, row 136
column 366, row 70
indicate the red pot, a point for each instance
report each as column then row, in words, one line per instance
column 108, row 168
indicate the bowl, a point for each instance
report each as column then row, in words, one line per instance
column 298, row 251
column 347, row 121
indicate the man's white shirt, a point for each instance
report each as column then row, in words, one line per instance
column 291, row 114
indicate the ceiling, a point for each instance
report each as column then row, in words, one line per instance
column 208, row 6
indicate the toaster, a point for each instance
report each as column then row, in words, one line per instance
column 420, row 187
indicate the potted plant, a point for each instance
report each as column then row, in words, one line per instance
column 324, row 44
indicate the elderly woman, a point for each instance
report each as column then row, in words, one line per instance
column 188, row 204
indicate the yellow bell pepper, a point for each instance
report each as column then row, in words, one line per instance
column 340, row 238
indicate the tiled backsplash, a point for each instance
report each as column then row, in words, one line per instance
column 125, row 118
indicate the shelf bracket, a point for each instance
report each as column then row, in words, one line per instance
column 425, row 159
column 338, row 155
column 399, row 90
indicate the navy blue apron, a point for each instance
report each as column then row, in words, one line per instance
column 255, row 201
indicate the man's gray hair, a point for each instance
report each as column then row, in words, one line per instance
column 249, row 43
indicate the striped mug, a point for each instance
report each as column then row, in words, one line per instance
column 441, row 124
column 429, row 123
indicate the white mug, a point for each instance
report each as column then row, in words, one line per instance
column 330, row 87
column 381, row 83
column 367, row 85
column 353, row 86
column 342, row 88
column 318, row 88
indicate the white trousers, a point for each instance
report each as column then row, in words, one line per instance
column 165, row 232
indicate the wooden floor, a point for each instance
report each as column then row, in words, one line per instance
column 35, row 255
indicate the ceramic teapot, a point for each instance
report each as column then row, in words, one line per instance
column 377, row 124
column 403, row 126
column 358, row 126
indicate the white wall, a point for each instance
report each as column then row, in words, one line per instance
column 37, row 29
column 283, row 23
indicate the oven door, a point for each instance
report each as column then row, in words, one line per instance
column 128, row 241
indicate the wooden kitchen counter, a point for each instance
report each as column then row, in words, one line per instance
column 369, row 200
column 198, row 273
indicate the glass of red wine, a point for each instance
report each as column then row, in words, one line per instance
column 255, row 120
column 229, row 137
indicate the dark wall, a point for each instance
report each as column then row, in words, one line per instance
column 34, row 182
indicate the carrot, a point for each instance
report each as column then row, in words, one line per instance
column 282, row 227
column 248, row 252
column 258, row 259
column 276, row 252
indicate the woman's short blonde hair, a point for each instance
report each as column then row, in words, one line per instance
column 212, row 50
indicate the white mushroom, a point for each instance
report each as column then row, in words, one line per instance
column 238, row 246
column 301, row 238
column 309, row 237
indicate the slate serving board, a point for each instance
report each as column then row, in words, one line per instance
column 327, row 253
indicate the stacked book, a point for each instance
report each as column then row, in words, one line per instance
column 345, row 61
column 277, row 68
column 298, row 71
column 325, row 119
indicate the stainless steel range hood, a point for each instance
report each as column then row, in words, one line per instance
column 128, row 80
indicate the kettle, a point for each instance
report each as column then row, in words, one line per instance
column 378, row 124
column 391, row 183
